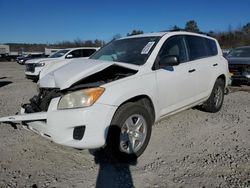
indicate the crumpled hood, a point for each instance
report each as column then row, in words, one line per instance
column 76, row 70
column 239, row 61
column 72, row 72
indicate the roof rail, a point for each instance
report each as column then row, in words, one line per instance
column 202, row 33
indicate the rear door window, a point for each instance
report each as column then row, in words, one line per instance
column 75, row 53
column 87, row 52
column 200, row 47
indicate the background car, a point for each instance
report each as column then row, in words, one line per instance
column 34, row 67
column 22, row 59
column 239, row 65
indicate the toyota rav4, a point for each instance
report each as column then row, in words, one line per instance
column 112, row 99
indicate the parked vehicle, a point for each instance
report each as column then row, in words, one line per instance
column 4, row 50
column 6, row 54
column 34, row 67
column 225, row 52
column 112, row 99
column 22, row 59
column 239, row 65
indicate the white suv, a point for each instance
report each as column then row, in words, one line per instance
column 112, row 99
column 34, row 66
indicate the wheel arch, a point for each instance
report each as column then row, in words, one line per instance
column 143, row 100
column 223, row 77
column 220, row 76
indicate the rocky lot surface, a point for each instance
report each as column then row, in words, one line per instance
column 190, row 149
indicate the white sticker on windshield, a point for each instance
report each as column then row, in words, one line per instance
column 147, row 48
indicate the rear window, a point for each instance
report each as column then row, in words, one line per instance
column 200, row 47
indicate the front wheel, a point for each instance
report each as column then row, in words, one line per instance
column 215, row 101
column 129, row 133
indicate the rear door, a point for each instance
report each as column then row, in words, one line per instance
column 202, row 62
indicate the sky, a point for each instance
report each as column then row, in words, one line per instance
column 51, row 21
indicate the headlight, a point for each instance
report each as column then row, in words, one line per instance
column 80, row 99
column 40, row 64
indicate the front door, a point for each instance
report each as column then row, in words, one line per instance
column 176, row 84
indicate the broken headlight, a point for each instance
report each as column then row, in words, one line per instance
column 80, row 99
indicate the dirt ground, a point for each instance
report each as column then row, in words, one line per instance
column 190, row 149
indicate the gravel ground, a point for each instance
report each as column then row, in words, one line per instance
column 190, row 149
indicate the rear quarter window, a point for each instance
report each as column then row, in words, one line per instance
column 200, row 47
column 212, row 47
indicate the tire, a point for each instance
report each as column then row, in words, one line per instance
column 131, row 124
column 215, row 101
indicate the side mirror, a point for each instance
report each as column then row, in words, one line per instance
column 69, row 56
column 169, row 61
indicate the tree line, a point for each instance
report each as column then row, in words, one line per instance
column 227, row 39
column 27, row 47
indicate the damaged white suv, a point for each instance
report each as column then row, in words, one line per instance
column 112, row 99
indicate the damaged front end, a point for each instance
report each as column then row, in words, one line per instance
column 46, row 116
column 41, row 102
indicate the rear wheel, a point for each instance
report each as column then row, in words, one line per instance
column 129, row 133
column 215, row 101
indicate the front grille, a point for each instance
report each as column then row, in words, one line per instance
column 30, row 67
column 40, row 102
column 236, row 69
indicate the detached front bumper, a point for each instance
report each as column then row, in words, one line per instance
column 82, row 128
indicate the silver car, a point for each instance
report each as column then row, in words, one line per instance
column 239, row 64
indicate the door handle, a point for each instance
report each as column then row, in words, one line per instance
column 192, row 70
column 215, row 64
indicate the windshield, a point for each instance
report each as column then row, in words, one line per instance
column 240, row 52
column 59, row 53
column 132, row 50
